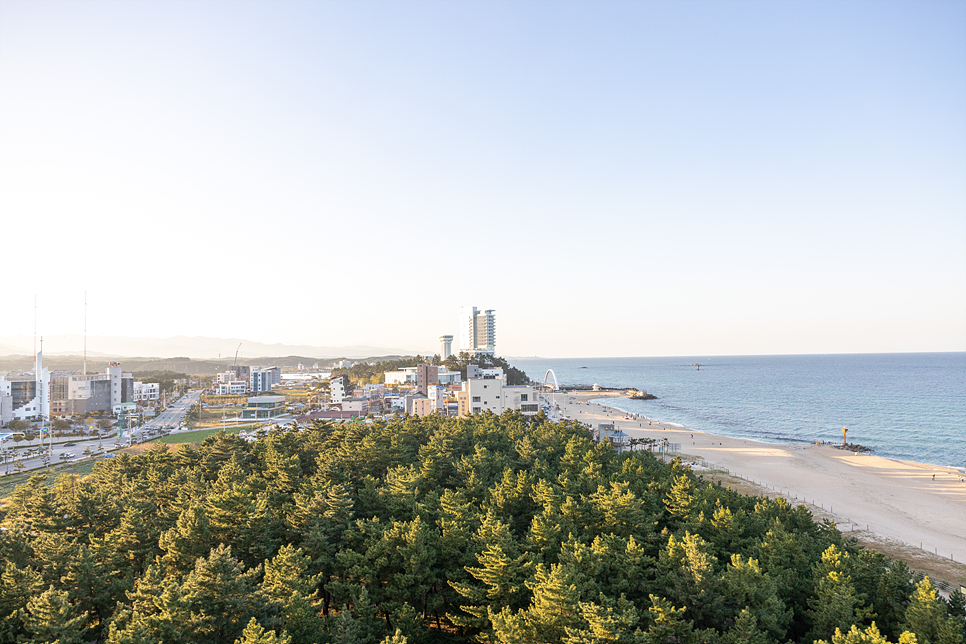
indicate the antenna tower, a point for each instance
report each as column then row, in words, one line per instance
column 85, row 332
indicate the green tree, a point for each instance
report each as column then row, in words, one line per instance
column 188, row 540
column 680, row 499
column 255, row 634
column 607, row 621
column 870, row 635
column 52, row 618
column 748, row 590
column 219, row 597
column 928, row 618
column 836, row 604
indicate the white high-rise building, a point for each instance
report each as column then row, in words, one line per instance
column 468, row 328
column 477, row 330
column 486, row 332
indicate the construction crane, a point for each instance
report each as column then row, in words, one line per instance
column 235, row 363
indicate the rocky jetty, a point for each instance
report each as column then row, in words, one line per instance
column 854, row 447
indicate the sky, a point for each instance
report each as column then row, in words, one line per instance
column 614, row 178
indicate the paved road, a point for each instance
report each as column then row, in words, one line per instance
column 172, row 417
column 169, row 419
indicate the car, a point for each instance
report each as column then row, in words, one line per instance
column 70, row 444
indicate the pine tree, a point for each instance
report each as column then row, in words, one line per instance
column 836, row 604
column 137, row 631
column 688, row 578
column 501, row 570
column 86, row 587
column 746, row 589
column 287, row 574
column 870, row 635
column 396, row 638
column 745, row 630
column 555, row 606
column 607, row 621
column 621, row 511
column 667, row 624
column 188, row 540
column 928, row 618
column 302, row 620
column 17, row 587
column 219, row 596
column 680, row 499
column 255, row 634
column 52, row 618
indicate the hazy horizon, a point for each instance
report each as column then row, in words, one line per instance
column 615, row 179
column 188, row 347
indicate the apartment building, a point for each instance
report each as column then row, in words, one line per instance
column 337, row 388
column 262, row 380
column 487, row 392
column 477, row 330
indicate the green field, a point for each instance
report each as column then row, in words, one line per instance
column 198, row 436
column 11, row 481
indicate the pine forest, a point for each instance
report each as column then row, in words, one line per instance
column 491, row 528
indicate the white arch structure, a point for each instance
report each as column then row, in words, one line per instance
column 551, row 374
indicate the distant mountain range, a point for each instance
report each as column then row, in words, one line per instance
column 183, row 346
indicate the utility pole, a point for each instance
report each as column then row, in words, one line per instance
column 85, row 332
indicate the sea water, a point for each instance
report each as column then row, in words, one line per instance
column 909, row 406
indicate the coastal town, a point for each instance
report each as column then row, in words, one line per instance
column 435, row 322
column 61, row 418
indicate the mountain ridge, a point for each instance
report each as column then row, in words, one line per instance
column 195, row 347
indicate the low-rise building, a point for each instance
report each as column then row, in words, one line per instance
column 405, row 376
column 127, row 408
column 358, row 406
column 420, row 406
column 374, row 391
column 488, row 393
column 145, row 392
column 447, row 377
column 233, row 388
column 263, row 407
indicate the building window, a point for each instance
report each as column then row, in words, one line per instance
column 523, row 397
column 476, row 399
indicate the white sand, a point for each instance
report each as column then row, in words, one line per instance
column 896, row 499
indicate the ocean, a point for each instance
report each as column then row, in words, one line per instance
column 908, row 406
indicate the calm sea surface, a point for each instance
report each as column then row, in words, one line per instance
column 909, row 406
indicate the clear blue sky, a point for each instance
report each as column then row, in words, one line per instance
column 615, row 178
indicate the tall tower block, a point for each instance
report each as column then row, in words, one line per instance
column 468, row 328
column 445, row 346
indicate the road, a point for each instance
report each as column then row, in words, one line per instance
column 169, row 419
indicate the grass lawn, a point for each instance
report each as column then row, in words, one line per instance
column 198, row 436
column 9, row 482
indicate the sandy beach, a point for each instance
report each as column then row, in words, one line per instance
column 903, row 501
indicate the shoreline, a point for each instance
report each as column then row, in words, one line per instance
column 790, row 442
column 917, row 504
